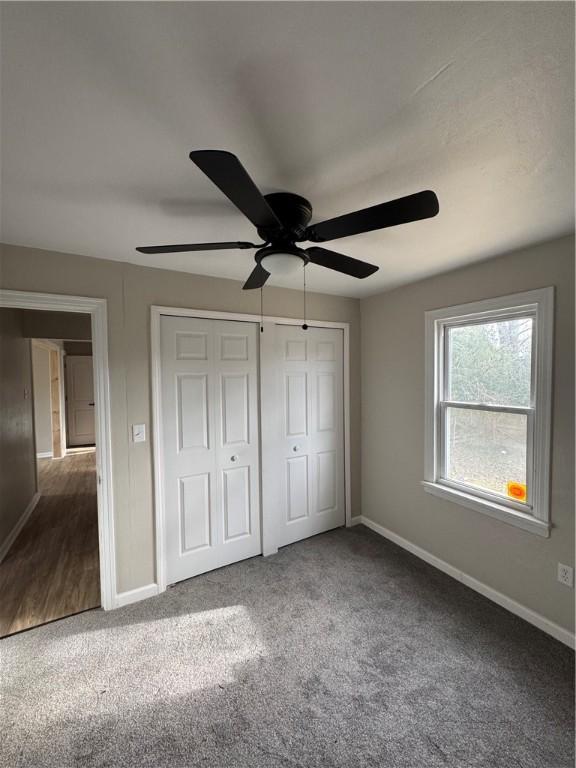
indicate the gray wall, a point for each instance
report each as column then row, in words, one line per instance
column 42, row 398
column 130, row 290
column 517, row 563
column 17, row 459
column 81, row 348
column 37, row 324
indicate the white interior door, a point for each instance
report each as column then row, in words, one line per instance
column 309, row 446
column 209, row 390
column 80, row 400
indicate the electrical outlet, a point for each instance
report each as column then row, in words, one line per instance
column 565, row 575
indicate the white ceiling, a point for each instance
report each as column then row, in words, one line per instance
column 348, row 104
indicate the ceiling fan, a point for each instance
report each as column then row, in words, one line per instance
column 282, row 220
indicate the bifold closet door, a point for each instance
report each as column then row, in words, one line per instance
column 210, row 461
column 309, row 451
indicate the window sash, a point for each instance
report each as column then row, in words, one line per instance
column 474, row 489
column 526, row 410
column 443, row 403
column 495, row 317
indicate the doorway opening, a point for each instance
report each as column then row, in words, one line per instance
column 56, row 533
column 51, row 567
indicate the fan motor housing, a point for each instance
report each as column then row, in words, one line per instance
column 293, row 211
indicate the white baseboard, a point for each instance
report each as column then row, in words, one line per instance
column 135, row 595
column 44, row 455
column 13, row 535
column 355, row 520
column 550, row 627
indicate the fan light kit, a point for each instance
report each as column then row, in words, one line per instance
column 282, row 220
column 280, row 262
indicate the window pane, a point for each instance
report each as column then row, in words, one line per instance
column 490, row 362
column 487, row 450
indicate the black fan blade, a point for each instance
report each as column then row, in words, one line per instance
column 422, row 205
column 257, row 278
column 229, row 175
column 194, row 247
column 341, row 263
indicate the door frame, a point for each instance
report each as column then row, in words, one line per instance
column 269, row 546
column 97, row 309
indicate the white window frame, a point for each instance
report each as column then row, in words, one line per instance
column 538, row 304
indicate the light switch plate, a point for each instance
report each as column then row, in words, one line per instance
column 138, row 433
column 565, row 575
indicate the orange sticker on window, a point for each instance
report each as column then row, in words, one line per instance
column 517, row 491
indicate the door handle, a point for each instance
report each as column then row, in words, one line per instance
column 233, row 458
column 90, row 403
column 295, row 448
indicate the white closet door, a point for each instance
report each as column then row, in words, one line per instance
column 310, row 447
column 209, row 371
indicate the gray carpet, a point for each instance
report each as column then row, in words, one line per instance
column 342, row 650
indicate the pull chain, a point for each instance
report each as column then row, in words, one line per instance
column 304, row 325
column 261, row 310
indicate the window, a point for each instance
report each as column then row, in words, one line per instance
column 488, row 395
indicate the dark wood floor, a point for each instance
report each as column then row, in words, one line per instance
column 52, row 569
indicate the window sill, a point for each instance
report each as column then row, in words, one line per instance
column 498, row 511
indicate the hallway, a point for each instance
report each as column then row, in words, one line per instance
column 52, row 570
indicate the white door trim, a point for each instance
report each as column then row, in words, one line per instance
column 156, row 313
column 97, row 308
